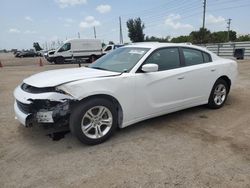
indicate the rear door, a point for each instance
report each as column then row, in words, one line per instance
column 199, row 76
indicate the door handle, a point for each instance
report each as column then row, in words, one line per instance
column 181, row 78
column 213, row 70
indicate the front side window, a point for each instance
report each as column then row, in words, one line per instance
column 192, row 56
column 108, row 48
column 120, row 60
column 166, row 59
column 65, row 47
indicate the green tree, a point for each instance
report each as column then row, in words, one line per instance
column 232, row 35
column 156, row 39
column 218, row 37
column 243, row 38
column 135, row 30
column 201, row 36
column 221, row 36
column 181, row 39
column 37, row 46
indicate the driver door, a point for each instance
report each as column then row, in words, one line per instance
column 66, row 51
column 160, row 92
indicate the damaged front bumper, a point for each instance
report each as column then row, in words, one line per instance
column 44, row 108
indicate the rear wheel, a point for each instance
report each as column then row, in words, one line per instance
column 218, row 94
column 94, row 121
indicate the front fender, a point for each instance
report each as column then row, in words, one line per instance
column 122, row 88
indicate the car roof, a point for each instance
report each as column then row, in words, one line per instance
column 155, row 45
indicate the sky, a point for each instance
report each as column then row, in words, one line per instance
column 49, row 22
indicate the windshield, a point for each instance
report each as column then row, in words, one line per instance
column 120, row 60
column 65, row 47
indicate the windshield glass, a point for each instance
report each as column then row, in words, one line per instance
column 65, row 47
column 120, row 60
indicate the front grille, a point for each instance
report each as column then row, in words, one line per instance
column 25, row 108
column 32, row 89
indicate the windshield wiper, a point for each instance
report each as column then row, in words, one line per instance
column 99, row 68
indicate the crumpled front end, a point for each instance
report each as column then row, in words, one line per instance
column 41, row 105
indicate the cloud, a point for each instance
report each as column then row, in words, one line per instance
column 69, row 20
column 14, row 30
column 103, row 9
column 211, row 19
column 172, row 21
column 54, row 38
column 28, row 18
column 67, row 3
column 30, row 32
column 66, row 25
column 89, row 22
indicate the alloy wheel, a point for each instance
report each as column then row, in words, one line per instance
column 220, row 94
column 97, row 122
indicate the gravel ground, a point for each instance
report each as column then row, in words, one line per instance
column 197, row 147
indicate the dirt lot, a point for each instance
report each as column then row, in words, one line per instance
column 197, row 147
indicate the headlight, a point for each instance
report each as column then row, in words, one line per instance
column 62, row 91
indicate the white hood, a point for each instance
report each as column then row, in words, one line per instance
column 57, row 77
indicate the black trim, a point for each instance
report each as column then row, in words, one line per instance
column 75, row 57
column 82, row 51
column 25, row 108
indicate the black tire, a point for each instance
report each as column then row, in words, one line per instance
column 77, row 119
column 59, row 60
column 214, row 103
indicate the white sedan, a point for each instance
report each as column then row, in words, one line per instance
column 131, row 84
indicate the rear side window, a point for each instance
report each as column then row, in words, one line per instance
column 206, row 57
column 166, row 59
column 192, row 56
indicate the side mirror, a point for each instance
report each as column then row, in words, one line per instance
column 150, row 68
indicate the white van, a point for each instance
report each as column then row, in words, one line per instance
column 88, row 49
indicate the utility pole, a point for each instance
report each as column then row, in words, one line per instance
column 121, row 36
column 94, row 32
column 228, row 27
column 204, row 13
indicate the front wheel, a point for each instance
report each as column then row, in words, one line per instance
column 218, row 94
column 59, row 60
column 94, row 121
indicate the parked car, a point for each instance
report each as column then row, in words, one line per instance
column 89, row 49
column 128, row 85
column 109, row 48
column 26, row 54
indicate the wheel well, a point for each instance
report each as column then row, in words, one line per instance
column 227, row 80
column 113, row 100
